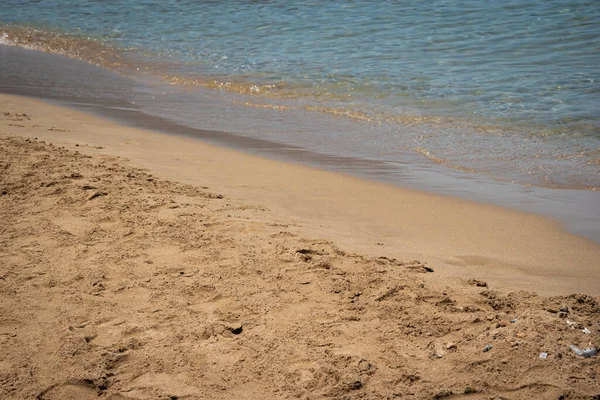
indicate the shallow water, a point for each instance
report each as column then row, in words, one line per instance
column 505, row 89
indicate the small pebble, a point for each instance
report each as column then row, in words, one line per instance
column 487, row 348
column 543, row 355
column 587, row 353
column 503, row 323
column 451, row 346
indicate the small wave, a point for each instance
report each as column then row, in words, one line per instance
column 69, row 45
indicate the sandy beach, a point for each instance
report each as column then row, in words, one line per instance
column 142, row 265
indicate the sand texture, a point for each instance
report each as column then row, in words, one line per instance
column 118, row 284
column 510, row 250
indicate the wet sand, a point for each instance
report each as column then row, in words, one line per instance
column 137, row 265
column 511, row 249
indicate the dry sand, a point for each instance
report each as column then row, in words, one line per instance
column 257, row 279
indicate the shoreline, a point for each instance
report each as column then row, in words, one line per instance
column 67, row 82
column 509, row 249
column 247, row 278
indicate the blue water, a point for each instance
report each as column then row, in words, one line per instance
column 510, row 88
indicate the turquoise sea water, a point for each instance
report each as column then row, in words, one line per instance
column 508, row 88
